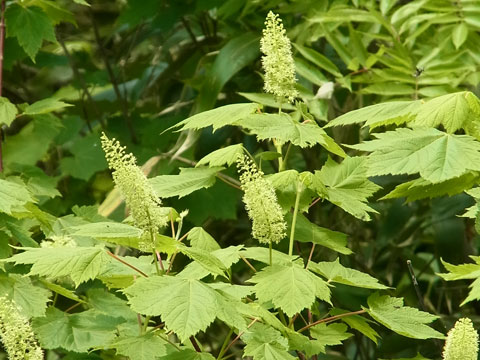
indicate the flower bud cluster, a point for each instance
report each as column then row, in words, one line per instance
column 278, row 61
column 268, row 224
column 141, row 199
column 462, row 342
column 17, row 334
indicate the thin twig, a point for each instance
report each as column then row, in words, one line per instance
column 331, row 318
column 310, row 256
column 195, row 344
column 248, row 263
column 239, row 335
column 122, row 101
column 415, row 285
column 125, row 263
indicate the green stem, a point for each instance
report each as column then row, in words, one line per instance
column 145, row 324
column 286, row 157
column 224, row 345
column 270, row 251
column 281, row 164
column 294, row 219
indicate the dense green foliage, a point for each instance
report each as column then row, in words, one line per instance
column 285, row 229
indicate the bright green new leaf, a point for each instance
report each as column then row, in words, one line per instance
column 227, row 155
column 404, row 320
column 306, row 231
column 437, row 156
column 60, row 290
column 455, row 111
column 329, row 335
column 31, row 299
column 8, row 111
column 219, row 117
column 289, row 287
column 286, row 129
column 45, row 106
column 347, row 185
column 75, row 332
column 205, row 258
column 265, row 343
column 30, row 26
column 186, row 306
column 333, row 271
column 13, row 196
column 80, row 263
column 148, row 346
column 188, row 181
column 396, row 112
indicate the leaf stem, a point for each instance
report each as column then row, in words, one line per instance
column 127, row 264
column 224, row 345
column 331, row 318
column 195, row 344
column 294, row 219
column 239, row 335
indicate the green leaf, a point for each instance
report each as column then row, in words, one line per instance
column 206, row 259
column 234, row 55
column 31, row 299
column 265, row 343
column 306, row 231
column 404, row 320
column 30, row 26
column 60, row 290
column 333, row 271
column 462, row 272
column 45, row 106
column 186, row 306
column 285, row 129
column 13, row 196
column 387, row 113
column 75, row 332
column 289, row 287
column 113, row 232
column 421, row 189
column 347, row 185
column 187, row 354
column 87, row 158
column 267, row 100
column 201, row 239
column 117, row 275
column 219, row 117
column 8, row 111
column 188, row 181
column 456, row 111
column 227, row 155
column 329, row 335
column 148, row 346
column 343, row 14
column 318, row 59
column 81, row 263
column 459, row 34
column 357, row 322
column 437, row 156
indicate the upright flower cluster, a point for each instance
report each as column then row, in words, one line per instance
column 278, row 61
column 16, row 333
column 261, row 203
column 144, row 204
column 462, row 342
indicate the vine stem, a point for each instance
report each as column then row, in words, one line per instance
column 331, row 318
column 2, row 38
column 294, row 219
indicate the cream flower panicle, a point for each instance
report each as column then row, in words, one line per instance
column 141, row 199
column 462, row 342
column 261, row 203
column 16, row 333
column 278, row 60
